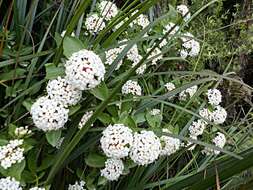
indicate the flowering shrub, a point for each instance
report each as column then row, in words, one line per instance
column 122, row 103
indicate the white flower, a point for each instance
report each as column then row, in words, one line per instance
column 169, row 144
column 197, row 127
column 22, row 131
column 62, row 91
column 111, row 55
column 85, row 118
column 170, row 86
column 183, row 53
column 11, row 153
column 219, row 115
column 156, row 55
column 113, row 169
column 131, row 87
column 214, row 97
column 64, row 32
column 37, row 188
column 48, row 114
column 94, row 23
column 79, row 185
column 219, row 141
column 141, row 20
column 191, row 46
column 205, row 113
column 193, row 146
column 84, row 70
column 9, row 183
column 146, row 148
column 116, row 141
column 168, row 27
column 108, row 10
column 183, row 10
column 141, row 69
column 189, row 92
column 155, row 112
column 59, row 143
column 163, row 43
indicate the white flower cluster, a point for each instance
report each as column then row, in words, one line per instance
column 184, row 11
column 214, row 97
column 170, row 86
column 9, row 183
column 155, row 112
column 191, row 47
column 189, row 92
column 146, row 148
column 37, row 188
column 131, row 87
column 166, row 29
column 219, row 141
column 113, row 169
column 94, row 23
column 59, row 143
column 62, row 91
column 219, row 114
column 22, row 131
column 141, row 20
column 48, row 114
column 155, row 55
column 197, row 127
column 79, row 185
column 116, row 141
column 111, row 55
column 84, row 70
column 11, row 153
column 169, row 145
column 85, row 118
column 107, row 9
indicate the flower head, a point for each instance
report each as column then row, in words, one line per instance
column 48, row 114
column 62, row 91
column 9, row 183
column 85, row 118
column 116, row 141
column 107, row 9
column 214, row 97
column 197, row 127
column 131, row 87
column 79, row 185
column 11, row 153
column 94, row 23
column 84, row 70
column 146, row 148
column 219, row 115
column 183, row 10
column 189, row 92
column 113, row 169
column 169, row 145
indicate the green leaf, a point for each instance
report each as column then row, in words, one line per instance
column 9, row 75
column 74, row 109
column 71, row 45
column 14, row 171
column 101, row 92
column 11, row 130
column 95, row 160
column 27, row 104
column 154, row 120
column 53, row 137
column 53, row 71
column 105, row 118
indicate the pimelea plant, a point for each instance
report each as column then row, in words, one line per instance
column 118, row 101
